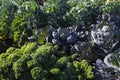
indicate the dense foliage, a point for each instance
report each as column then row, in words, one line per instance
column 82, row 29
column 104, row 36
column 67, row 37
column 42, row 63
column 21, row 19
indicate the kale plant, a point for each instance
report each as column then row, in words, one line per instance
column 71, row 39
column 103, row 71
column 105, row 32
column 20, row 20
column 45, row 62
column 56, row 11
column 113, row 60
column 28, row 19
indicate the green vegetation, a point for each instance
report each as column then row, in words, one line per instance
column 42, row 63
column 79, row 32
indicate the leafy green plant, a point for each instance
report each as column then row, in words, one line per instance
column 113, row 60
column 103, row 71
column 20, row 19
column 112, row 6
column 73, row 12
column 27, row 18
column 56, row 11
column 42, row 63
column 85, row 10
column 7, row 11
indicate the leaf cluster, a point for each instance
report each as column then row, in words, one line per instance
column 42, row 63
